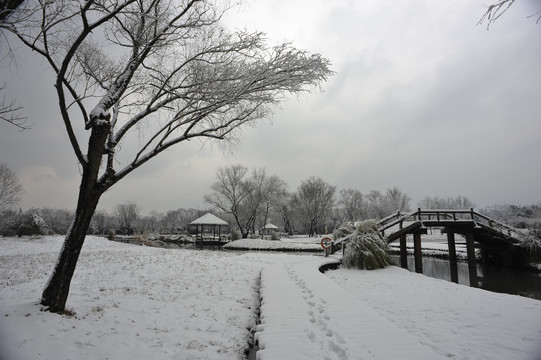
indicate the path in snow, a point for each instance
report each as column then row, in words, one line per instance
column 305, row 315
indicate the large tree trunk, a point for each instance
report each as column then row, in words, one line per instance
column 56, row 292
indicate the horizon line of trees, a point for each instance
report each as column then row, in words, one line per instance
column 248, row 200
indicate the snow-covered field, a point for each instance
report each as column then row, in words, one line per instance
column 131, row 302
column 135, row 302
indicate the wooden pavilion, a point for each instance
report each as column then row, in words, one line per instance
column 208, row 227
column 268, row 229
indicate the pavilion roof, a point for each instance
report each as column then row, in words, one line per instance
column 209, row 219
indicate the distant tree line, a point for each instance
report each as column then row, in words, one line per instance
column 248, row 200
column 124, row 219
column 253, row 199
column 521, row 217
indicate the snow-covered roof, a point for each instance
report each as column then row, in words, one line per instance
column 209, row 219
column 270, row 226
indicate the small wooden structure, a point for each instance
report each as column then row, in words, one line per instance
column 212, row 224
column 268, row 229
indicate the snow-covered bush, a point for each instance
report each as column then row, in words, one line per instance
column 31, row 224
column 343, row 231
column 235, row 235
column 532, row 249
column 366, row 248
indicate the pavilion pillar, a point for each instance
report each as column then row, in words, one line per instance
column 403, row 253
column 452, row 256
column 472, row 265
column 417, row 252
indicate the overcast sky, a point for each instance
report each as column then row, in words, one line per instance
column 423, row 99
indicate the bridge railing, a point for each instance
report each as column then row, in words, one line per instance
column 444, row 215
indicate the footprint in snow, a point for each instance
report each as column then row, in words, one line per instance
column 338, row 350
column 311, row 336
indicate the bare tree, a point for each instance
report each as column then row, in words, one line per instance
column 126, row 216
column 381, row 205
column 149, row 74
column 230, row 193
column 58, row 220
column 377, row 205
column 351, row 204
column 435, row 202
column 397, row 200
column 10, row 187
column 314, row 201
column 273, row 191
column 245, row 197
column 285, row 210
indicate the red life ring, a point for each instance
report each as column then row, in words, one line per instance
column 326, row 243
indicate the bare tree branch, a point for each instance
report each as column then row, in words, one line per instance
column 10, row 111
column 496, row 10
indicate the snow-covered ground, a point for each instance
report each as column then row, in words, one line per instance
column 131, row 302
column 135, row 302
column 456, row 321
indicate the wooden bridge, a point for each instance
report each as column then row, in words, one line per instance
column 498, row 242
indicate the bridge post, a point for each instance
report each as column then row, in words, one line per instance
column 452, row 256
column 403, row 253
column 417, row 252
column 472, row 265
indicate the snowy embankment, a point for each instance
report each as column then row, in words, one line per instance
column 312, row 244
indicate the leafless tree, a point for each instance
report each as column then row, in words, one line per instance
column 141, row 76
column 314, row 201
column 351, row 204
column 397, row 200
column 273, row 190
column 230, row 193
column 126, row 216
column 381, row 205
column 57, row 220
column 435, row 202
column 10, row 187
column 245, row 197
column 285, row 210
column 377, row 205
